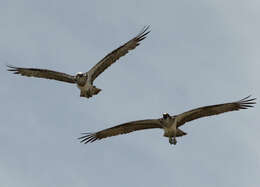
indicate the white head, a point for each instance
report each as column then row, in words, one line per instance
column 166, row 116
column 79, row 75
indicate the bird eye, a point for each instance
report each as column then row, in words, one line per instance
column 166, row 115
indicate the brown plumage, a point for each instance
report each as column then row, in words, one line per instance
column 170, row 124
column 43, row 73
column 122, row 129
column 112, row 57
column 85, row 81
column 215, row 110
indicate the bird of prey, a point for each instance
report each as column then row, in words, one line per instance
column 85, row 81
column 170, row 124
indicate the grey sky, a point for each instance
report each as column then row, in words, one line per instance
column 198, row 53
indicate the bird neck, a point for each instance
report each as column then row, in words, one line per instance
column 82, row 81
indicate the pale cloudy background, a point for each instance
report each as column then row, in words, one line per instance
column 198, row 53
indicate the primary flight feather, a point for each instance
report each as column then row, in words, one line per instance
column 170, row 124
column 85, row 81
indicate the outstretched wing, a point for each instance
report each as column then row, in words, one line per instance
column 214, row 110
column 43, row 73
column 109, row 59
column 121, row 129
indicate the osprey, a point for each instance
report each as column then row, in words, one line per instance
column 85, row 81
column 170, row 124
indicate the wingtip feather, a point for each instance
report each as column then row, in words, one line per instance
column 246, row 102
column 142, row 35
column 11, row 68
column 87, row 138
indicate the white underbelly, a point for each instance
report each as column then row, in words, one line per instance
column 170, row 131
column 84, row 88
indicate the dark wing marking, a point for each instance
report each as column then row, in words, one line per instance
column 214, row 110
column 121, row 129
column 109, row 59
column 42, row 73
column 180, row 133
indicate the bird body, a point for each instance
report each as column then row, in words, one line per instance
column 85, row 81
column 170, row 124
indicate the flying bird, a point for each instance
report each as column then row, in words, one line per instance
column 85, row 81
column 170, row 124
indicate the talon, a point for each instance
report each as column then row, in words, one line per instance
column 174, row 141
column 171, row 141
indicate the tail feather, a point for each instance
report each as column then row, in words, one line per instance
column 96, row 90
column 89, row 93
column 180, row 133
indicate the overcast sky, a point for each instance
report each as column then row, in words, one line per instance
column 198, row 53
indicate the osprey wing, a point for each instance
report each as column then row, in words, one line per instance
column 214, row 110
column 112, row 57
column 121, row 129
column 43, row 73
